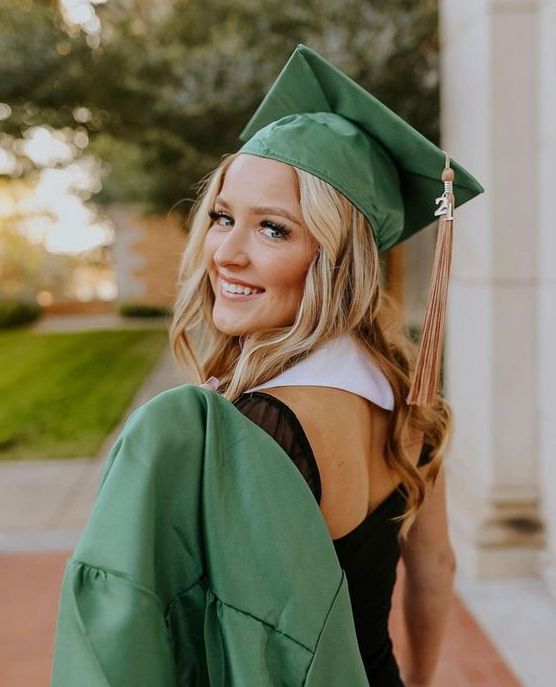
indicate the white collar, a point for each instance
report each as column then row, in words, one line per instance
column 343, row 364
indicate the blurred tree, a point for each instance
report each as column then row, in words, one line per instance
column 165, row 87
column 26, row 267
column 20, row 258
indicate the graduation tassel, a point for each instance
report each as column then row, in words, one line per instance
column 424, row 386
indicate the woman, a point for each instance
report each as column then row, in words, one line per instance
column 251, row 537
column 282, row 269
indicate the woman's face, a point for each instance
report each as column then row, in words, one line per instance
column 257, row 240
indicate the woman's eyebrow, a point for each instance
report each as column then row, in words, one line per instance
column 262, row 210
column 275, row 211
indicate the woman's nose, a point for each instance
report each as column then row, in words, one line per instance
column 232, row 248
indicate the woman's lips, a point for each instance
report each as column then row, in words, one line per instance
column 238, row 282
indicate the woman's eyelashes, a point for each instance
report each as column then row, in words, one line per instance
column 217, row 216
column 279, row 231
column 282, row 231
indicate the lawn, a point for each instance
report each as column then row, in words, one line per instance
column 61, row 394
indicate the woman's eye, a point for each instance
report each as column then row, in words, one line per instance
column 276, row 231
column 273, row 231
column 220, row 218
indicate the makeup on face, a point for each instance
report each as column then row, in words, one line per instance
column 257, row 250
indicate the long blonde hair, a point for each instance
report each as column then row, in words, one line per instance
column 342, row 294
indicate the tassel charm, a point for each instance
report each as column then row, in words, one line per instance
column 424, row 387
column 445, row 201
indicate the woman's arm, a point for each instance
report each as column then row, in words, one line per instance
column 430, row 563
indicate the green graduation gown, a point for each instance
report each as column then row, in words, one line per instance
column 205, row 561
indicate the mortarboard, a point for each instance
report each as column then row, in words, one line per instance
column 316, row 118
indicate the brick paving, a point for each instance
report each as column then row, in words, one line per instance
column 468, row 658
column 29, row 590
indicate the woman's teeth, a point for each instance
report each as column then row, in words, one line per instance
column 238, row 288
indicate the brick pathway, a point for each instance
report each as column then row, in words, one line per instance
column 468, row 658
column 29, row 589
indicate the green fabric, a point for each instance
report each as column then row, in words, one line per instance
column 318, row 119
column 206, row 561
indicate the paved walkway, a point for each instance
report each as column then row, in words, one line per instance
column 45, row 504
column 72, row 323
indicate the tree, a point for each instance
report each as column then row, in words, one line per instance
column 166, row 87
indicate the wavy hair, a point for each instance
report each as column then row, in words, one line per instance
column 342, row 294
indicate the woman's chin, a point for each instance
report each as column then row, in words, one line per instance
column 231, row 331
column 232, row 327
column 233, row 323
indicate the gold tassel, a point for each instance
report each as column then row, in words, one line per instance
column 424, row 387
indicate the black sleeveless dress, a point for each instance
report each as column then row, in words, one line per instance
column 369, row 554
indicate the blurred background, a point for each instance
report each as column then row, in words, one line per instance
column 112, row 111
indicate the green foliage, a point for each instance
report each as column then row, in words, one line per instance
column 40, row 64
column 14, row 313
column 173, row 83
column 67, row 391
column 142, row 310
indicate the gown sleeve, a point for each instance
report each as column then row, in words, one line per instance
column 279, row 420
column 111, row 628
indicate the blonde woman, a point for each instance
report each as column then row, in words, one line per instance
column 247, row 534
column 282, row 275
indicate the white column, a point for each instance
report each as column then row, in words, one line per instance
column 489, row 114
column 547, row 279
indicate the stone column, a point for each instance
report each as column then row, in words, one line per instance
column 128, row 262
column 547, row 279
column 489, row 115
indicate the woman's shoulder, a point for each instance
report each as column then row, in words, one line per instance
column 332, row 423
column 273, row 414
column 330, row 415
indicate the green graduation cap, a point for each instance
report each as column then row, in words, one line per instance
column 316, row 118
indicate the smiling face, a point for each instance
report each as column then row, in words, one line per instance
column 257, row 250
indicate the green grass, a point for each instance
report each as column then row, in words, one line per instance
column 61, row 394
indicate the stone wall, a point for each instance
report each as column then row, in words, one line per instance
column 147, row 253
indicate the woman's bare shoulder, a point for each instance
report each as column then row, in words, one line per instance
column 317, row 396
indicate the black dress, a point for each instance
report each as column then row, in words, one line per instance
column 369, row 554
